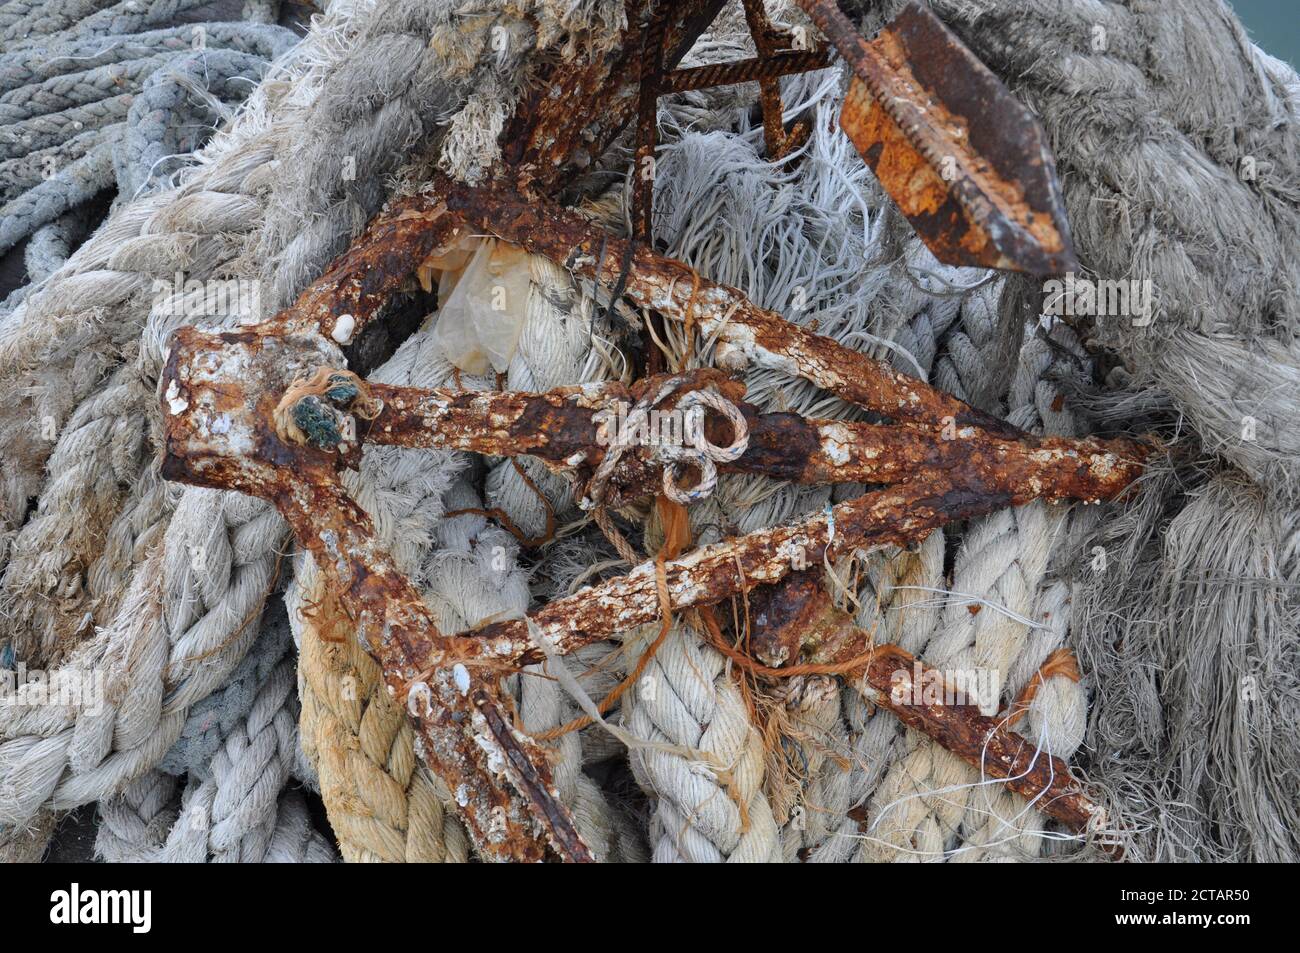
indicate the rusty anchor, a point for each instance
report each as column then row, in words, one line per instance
column 221, row 390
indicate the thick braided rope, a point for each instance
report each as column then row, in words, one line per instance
column 29, row 26
column 53, row 244
column 231, row 815
column 133, row 826
column 187, row 618
column 176, row 99
column 897, row 608
column 153, row 114
column 211, row 720
column 918, row 807
column 101, row 468
column 815, row 724
column 895, row 599
column 216, row 584
column 231, row 811
column 58, row 129
column 709, row 803
column 238, row 747
column 382, row 801
column 57, row 57
column 555, row 349
column 229, row 572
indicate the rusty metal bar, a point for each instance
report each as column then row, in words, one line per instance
column 653, row 39
column 221, row 393
column 765, row 37
column 351, row 292
column 784, row 63
column 744, row 332
column 563, row 429
column 896, row 515
column 982, row 742
column 796, row 623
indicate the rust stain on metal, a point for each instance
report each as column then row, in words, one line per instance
column 896, row 515
column 570, row 428
column 787, row 617
column 579, row 109
column 653, row 39
column 769, row 40
column 966, row 162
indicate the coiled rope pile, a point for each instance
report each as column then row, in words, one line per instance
column 203, row 747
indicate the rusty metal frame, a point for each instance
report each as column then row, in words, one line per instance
column 225, row 395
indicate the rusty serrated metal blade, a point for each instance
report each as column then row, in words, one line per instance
column 965, row 161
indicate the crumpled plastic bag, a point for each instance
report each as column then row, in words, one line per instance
column 482, row 308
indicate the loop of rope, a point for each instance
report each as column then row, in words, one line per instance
column 700, row 453
column 703, row 455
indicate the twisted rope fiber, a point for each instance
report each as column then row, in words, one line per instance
column 160, row 118
column 231, row 809
column 230, row 577
column 164, row 101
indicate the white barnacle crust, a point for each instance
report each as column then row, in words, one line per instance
column 419, row 700
column 343, row 329
column 836, row 440
column 460, row 676
column 175, row 403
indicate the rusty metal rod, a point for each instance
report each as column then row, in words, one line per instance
column 766, row 40
column 745, row 332
column 982, row 742
column 563, row 429
column 795, row 622
column 893, row 516
column 784, row 63
column 461, row 727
